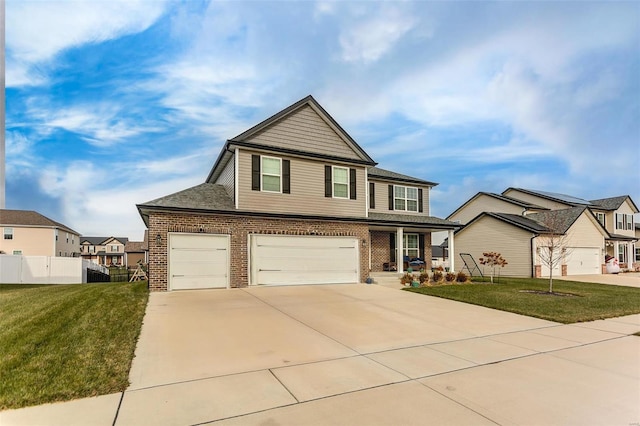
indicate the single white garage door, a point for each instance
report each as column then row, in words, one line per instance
column 198, row 261
column 584, row 261
column 580, row 261
column 286, row 259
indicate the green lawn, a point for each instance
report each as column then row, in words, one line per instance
column 60, row 342
column 591, row 301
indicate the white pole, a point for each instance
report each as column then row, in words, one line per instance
column 400, row 250
column 451, row 252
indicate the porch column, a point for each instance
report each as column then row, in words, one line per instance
column 451, row 252
column 616, row 250
column 400, row 250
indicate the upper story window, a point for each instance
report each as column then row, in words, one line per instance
column 624, row 221
column 67, row 238
column 8, row 233
column 339, row 182
column 405, row 198
column 270, row 174
column 56, row 235
column 114, row 248
column 601, row 218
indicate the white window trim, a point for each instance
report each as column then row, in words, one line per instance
column 406, row 248
column 406, row 198
column 333, row 182
column 262, row 174
column 6, row 232
column 603, row 216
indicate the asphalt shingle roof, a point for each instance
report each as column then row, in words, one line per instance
column 382, row 173
column 520, row 221
column 206, row 196
column 558, row 220
column 409, row 219
column 30, row 218
column 612, row 203
column 564, row 198
column 135, row 246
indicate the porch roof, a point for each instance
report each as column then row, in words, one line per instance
column 618, row 237
column 411, row 221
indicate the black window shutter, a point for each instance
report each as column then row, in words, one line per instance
column 328, row 187
column 255, row 172
column 372, row 195
column 392, row 246
column 390, row 197
column 421, row 247
column 286, row 177
column 352, row 184
column 420, row 201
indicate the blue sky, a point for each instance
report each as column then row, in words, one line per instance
column 113, row 103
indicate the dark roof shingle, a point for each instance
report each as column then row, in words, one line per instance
column 30, row 218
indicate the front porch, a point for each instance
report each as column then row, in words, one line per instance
column 394, row 249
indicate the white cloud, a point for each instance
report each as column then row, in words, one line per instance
column 367, row 39
column 100, row 124
column 38, row 30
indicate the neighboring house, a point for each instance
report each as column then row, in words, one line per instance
column 614, row 213
column 636, row 264
column 515, row 222
column 292, row 200
column 107, row 251
column 519, row 240
column 137, row 252
column 440, row 256
column 28, row 233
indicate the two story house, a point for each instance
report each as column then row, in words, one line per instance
column 106, row 251
column 519, row 221
column 292, row 200
column 28, row 233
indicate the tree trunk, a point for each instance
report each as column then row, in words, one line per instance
column 551, row 280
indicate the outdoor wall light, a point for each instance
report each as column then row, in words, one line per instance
column 158, row 239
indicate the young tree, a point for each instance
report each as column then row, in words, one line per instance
column 493, row 259
column 553, row 247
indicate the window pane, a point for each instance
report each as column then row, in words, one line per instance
column 412, row 253
column 412, row 205
column 271, row 183
column 411, row 241
column 412, row 193
column 271, row 166
column 399, row 191
column 340, row 190
column 340, row 175
column 399, row 204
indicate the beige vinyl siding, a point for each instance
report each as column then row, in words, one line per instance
column 67, row 249
column 382, row 198
column 488, row 234
column 304, row 130
column 543, row 202
column 307, row 191
column 584, row 233
column 625, row 208
column 31, row 241
column 226, row 178
column 484, row 203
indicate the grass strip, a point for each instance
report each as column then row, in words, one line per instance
column 61, row 342
column 526, row 296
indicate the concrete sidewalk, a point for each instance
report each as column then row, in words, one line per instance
column 361, row 354
column 628, row 279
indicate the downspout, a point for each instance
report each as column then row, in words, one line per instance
column 533, row 256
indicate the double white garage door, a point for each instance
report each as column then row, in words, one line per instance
column 203, row 260
column 580, row 261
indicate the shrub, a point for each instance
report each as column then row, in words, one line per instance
column 424, row 278
column 450, row 277
column 406, row 279
column 437, row 276
column 462, row 277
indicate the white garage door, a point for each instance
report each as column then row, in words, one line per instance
column 286, row 259
column 584, row 261
column 580, row 261
column 198, row 261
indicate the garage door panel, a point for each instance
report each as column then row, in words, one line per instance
column 584, row 261
column 198, row 261
column 303, row 259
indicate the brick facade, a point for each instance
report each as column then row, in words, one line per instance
column 380, row 250
column 239, row 228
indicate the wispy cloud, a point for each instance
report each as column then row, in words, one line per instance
column 47, row 28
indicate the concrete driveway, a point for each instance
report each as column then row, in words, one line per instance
column 361, row 354
column 627, row 279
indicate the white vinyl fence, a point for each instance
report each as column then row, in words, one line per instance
column 44, row 270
